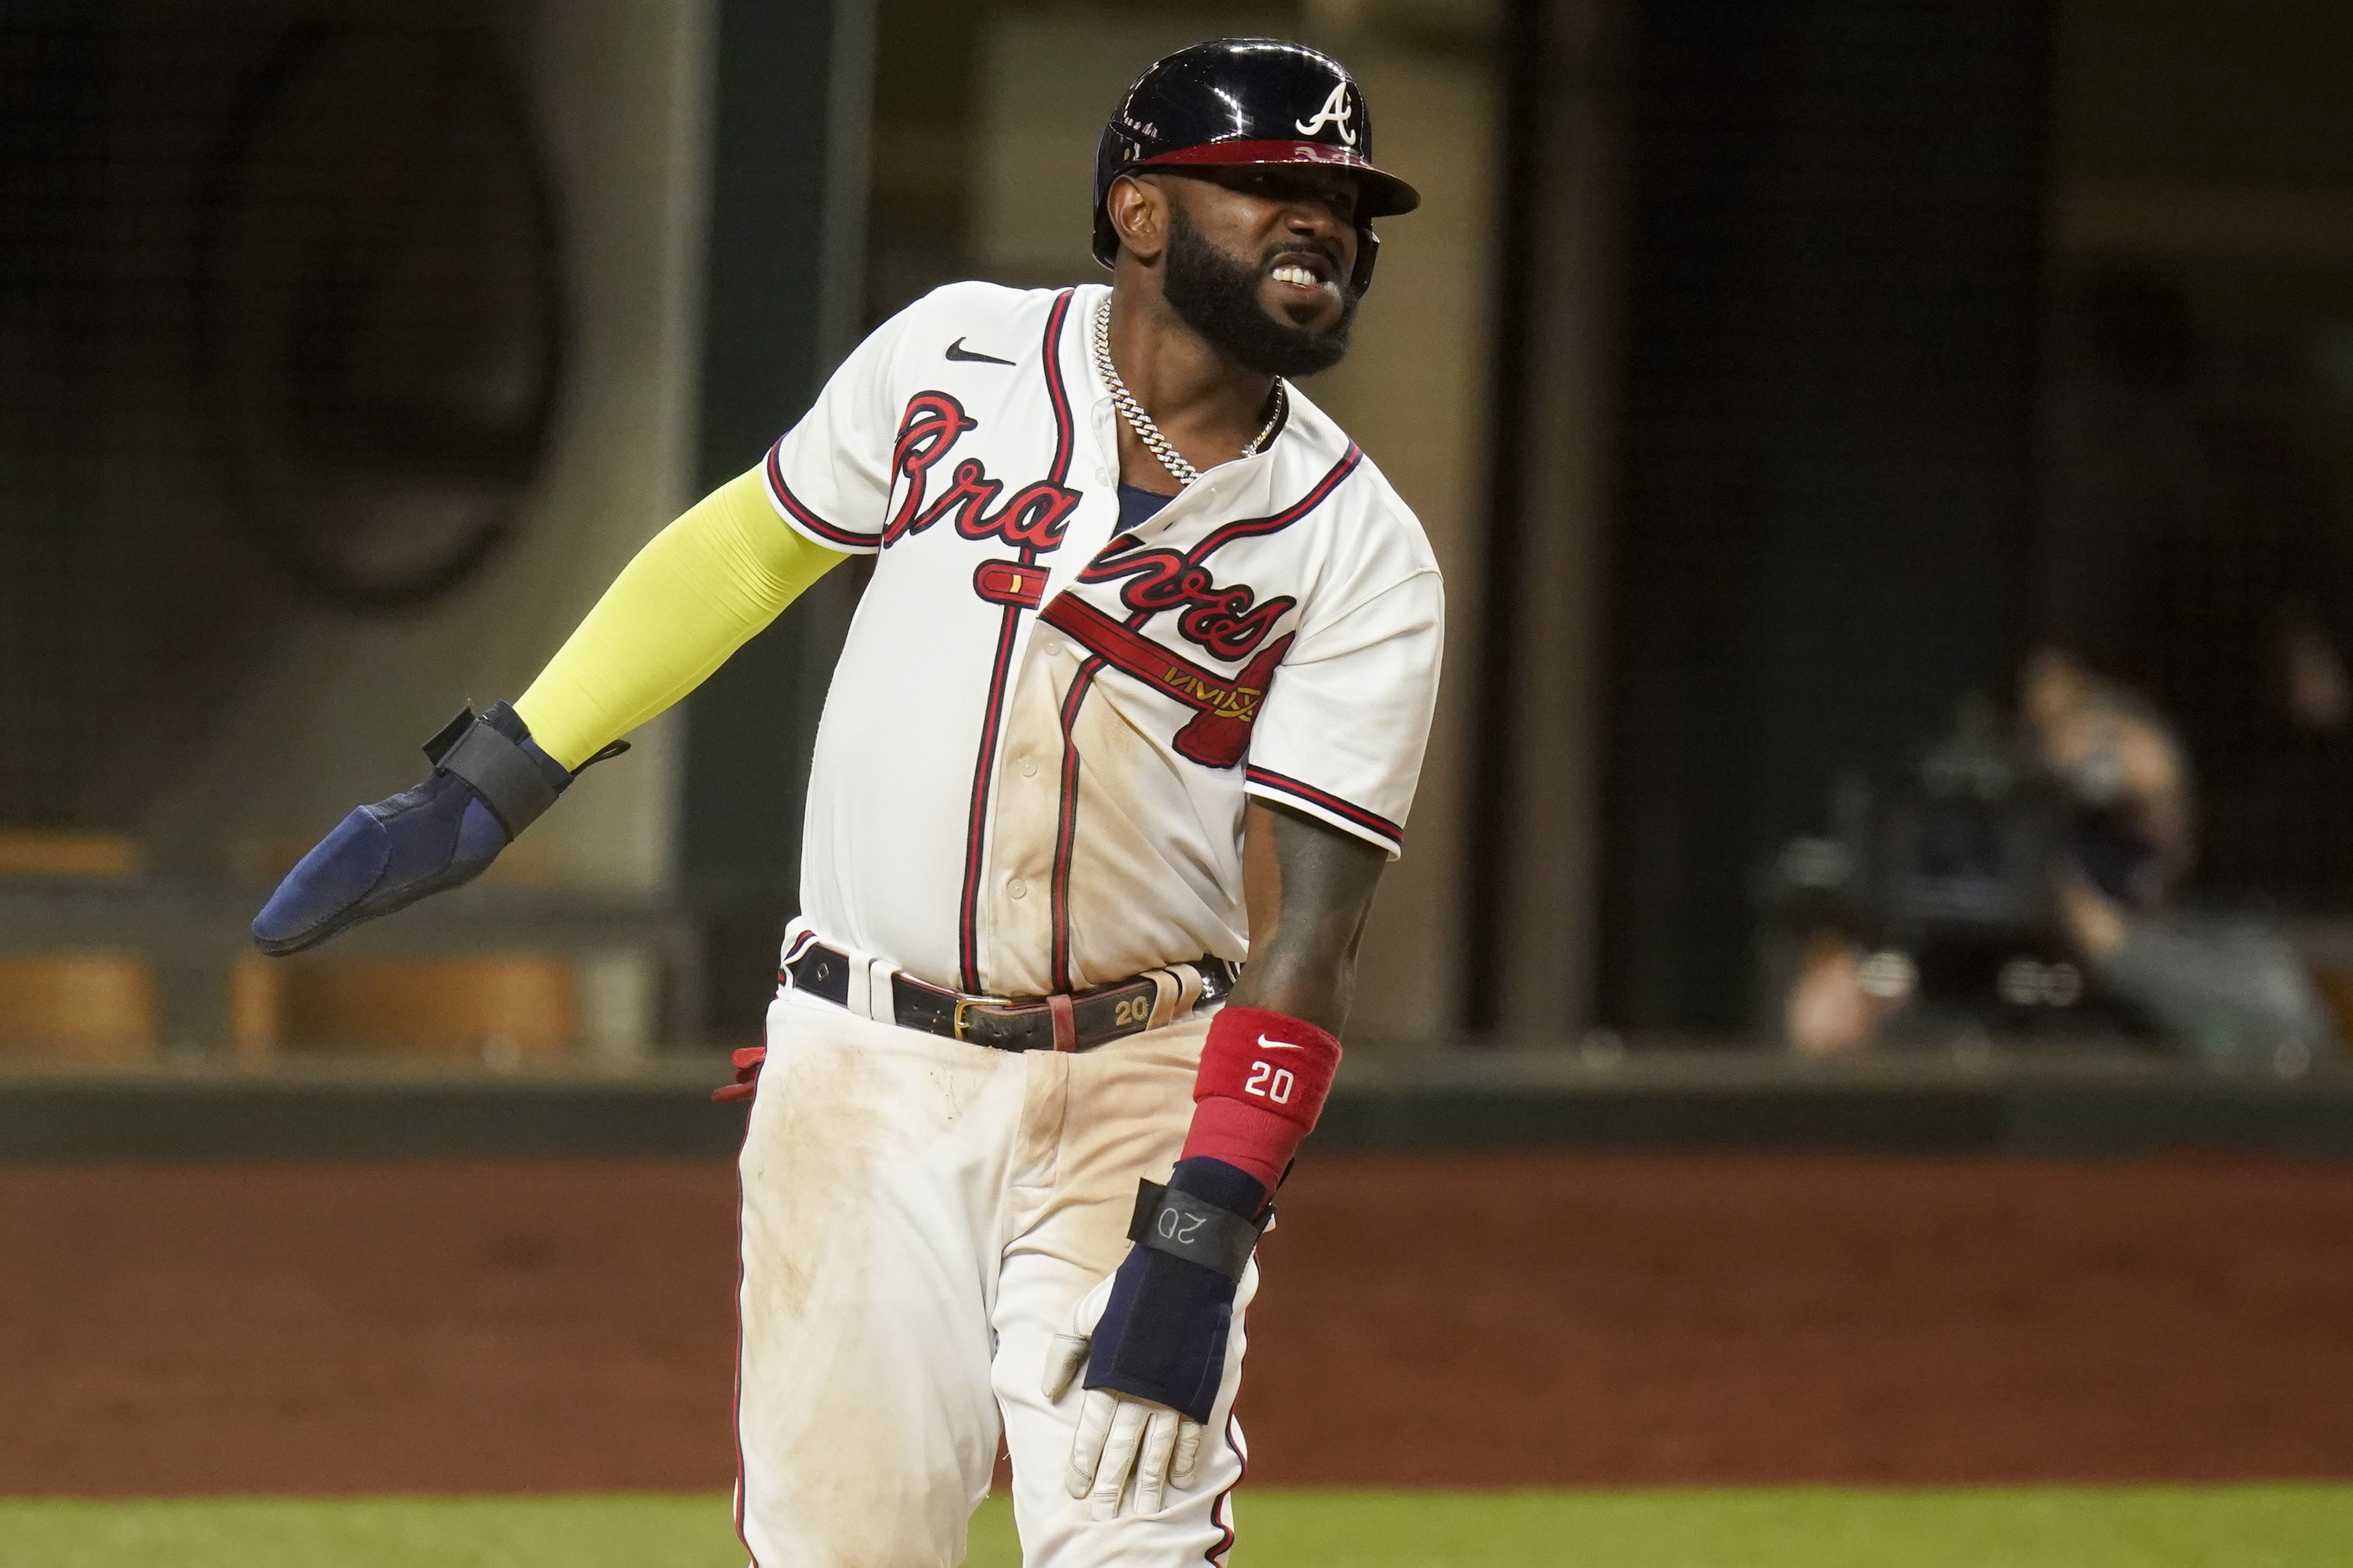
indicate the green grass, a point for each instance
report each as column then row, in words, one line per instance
column 2142, row 1527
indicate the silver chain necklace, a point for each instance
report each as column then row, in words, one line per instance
column 1159, row 445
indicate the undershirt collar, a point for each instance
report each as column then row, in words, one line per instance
column 1138, row 506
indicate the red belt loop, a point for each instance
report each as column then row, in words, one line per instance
column 1066, row 1021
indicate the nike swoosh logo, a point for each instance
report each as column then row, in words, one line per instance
column 957, row 351
column 1276, row 1045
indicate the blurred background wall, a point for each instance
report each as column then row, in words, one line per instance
column 350, row 352
column 1831, row 260
column 347, row 351
column 404, row 308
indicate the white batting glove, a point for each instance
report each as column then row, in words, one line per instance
column 1118, row 1432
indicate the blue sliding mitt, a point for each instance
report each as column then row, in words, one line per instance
column 1162, row 1335
column 489, row 782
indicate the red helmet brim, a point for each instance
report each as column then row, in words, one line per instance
column 1383, row 195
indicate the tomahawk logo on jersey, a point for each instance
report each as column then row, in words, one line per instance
column 1050, row 797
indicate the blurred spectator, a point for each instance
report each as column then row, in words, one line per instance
column 2227, row 987
column 2182, row 732
column 2021, row 885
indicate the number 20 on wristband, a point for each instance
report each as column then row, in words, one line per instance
column 1271, row 1082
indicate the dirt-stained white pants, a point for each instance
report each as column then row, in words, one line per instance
column 919, row 1218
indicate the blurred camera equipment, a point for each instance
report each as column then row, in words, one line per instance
column 1946, row 883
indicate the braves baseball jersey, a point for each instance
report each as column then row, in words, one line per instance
column 1031, row 773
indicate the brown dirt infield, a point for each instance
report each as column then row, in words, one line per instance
column 480, row 1326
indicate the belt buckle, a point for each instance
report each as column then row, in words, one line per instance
column 956, row 1019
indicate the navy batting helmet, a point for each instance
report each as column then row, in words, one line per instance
column 1248, row 101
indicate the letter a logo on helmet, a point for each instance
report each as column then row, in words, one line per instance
column 1234, row 103
column 1336, row 112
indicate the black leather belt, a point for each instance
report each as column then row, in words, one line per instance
column 1075, row 1021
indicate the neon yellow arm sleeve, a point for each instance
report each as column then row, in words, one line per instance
column 694, row 595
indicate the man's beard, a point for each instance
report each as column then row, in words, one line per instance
column 1218, row 297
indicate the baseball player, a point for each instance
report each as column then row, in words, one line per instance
column 1139, row 689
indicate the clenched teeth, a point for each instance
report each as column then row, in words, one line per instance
column 1304, row 277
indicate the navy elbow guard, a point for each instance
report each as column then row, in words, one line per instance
column 489, row 782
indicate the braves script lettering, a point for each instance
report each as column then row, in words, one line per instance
column 1229, row 623
column 1033, row 518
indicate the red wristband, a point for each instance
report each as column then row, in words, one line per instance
column 1263, row 1079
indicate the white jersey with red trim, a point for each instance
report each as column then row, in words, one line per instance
column 1032, row 769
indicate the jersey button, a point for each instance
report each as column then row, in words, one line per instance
column 1028, row 767
column 1018, row 888
column 1052, row 648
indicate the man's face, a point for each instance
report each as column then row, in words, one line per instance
column 1258, row 262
